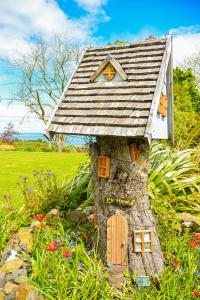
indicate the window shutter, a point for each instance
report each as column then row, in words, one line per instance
column 104, row 166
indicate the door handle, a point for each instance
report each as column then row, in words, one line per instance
column 123, row 243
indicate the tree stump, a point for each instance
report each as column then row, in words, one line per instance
column 127, row 180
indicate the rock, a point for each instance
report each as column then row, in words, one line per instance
column 13, row 255
column 187, row 224
column 10, row 287
column 2, row 295
column 11, row 296
column 88, row 210
column 2, row 279
column 28, row 292
column 9, row 277
column 18, row 273
column 186, row 217
column 21, row 279
column 12, row 265
column 26, row 239
column 52, row 215
column 77, row 216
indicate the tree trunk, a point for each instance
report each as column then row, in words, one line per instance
column 128, row 180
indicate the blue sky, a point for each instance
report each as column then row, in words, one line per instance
column 88, row 22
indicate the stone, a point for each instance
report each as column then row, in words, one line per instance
column 187, row 224
column 10, row 287
column 26, row 239
column 21, row 279
column 28, row 292
column 77, row 216
column 186, row 217
column 18, row 273
column 9, row 277
column 13, row 255
column 88, row 210
column 2, row 279
column 11, row 296
column 52, row 215
column 12, row 265
column 2, row 295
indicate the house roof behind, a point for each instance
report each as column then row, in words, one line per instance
column 117, row 108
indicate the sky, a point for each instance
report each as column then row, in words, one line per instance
column 89, row 22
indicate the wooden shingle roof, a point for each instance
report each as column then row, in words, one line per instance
column 117, row 108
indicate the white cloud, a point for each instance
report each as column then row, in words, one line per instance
column 186, row 41
column 21, row 23
column 93, row 6
column 18, row 115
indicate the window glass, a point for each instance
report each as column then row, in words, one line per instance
column 147, row 246
column 138, row 247
column 138, row 237
column 147, row 236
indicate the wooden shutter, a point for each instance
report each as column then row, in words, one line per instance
column 117, row 240
column 162, row 108
column 133, row 152
column 104, row 166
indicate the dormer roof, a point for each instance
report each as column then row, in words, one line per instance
column 124, row 106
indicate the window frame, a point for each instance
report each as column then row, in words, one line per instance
column 104, row 168
column 142, row 242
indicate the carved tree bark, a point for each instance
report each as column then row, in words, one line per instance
column 128, row 180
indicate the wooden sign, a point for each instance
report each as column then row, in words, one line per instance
column 117, row 240
column 119, row 201
column 143, row 281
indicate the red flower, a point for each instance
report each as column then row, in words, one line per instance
column 85, row 235
column 193, row 244
column 39, row 217
column 195, row 293
column 196, row 236
column 175, row 262
column 52, row 247
column 66, row 253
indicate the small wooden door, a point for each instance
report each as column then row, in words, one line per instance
column 117, row 240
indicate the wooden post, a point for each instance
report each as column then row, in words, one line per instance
column 127, row 180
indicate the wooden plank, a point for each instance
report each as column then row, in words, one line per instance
column 114, row 239
column 112, row 84
column 139, row 65
column 101, row 65
column 126, row 49
column 131, row 73
column 119, row 240
column 158, row 90
column 125, row 239
column 123, row 57
column 100, row 121
column 99, row 70
column 109, row 240
column 98, row 130
column 145, row 77
column 99, row 98
column 111, row 91
column 108, row 105
column 100, row 112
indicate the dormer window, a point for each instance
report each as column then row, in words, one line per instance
column 109, row 72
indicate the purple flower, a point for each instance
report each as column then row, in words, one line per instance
column 69, row 257
column 102, row 274
column 17, row 183
column 29, row 190
column 80, row 265
column 68, row 236
column 25, row 179
column 59, row 240
column 78, row 233
column 5, row 197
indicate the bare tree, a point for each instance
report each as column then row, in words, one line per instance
column 44, row 72
column 193, row 62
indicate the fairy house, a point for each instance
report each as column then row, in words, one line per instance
column 122, row 94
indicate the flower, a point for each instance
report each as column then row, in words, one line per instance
column 52, row 247
column 78, row 233
column 85, row 235
column 193, row 244
column 80, row 265
column 196, row 236
column 68, row 236
column 40, row 217
column 175, row 262
column 67, row 253
column 195, row 293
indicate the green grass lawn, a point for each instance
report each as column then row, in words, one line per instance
column 15, row 164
